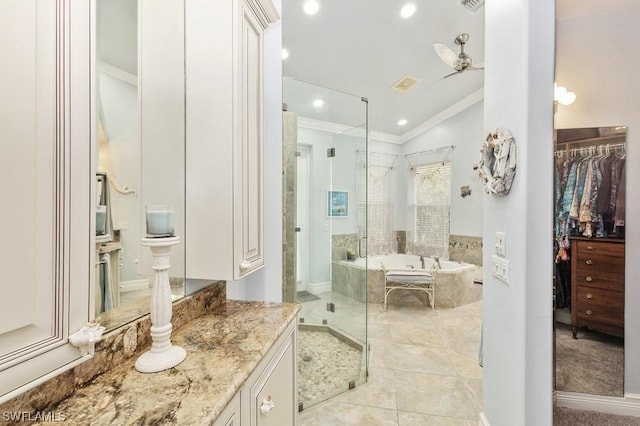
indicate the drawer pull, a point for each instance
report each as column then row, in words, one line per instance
column 589, row 262
column 589, row 279
column 267, row 405
column 589, row 295
column 588, row 312
column 589, row 247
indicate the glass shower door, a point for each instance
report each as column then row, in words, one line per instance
column 330, row 207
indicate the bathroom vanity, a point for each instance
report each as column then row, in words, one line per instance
column 240, row 369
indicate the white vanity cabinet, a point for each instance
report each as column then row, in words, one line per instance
column 269, row 396
column 225, row 136
column 230, row 416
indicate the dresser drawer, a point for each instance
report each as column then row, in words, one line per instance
column 600, row 256
column 599, row 305
column 600, row 279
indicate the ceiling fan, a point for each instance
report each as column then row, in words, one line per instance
column 459, row 62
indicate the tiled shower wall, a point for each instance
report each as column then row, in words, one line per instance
column 289, row 169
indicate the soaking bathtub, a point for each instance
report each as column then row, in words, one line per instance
column 454, row 281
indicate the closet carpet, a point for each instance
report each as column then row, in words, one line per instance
column 563, row 416
column 593, row 363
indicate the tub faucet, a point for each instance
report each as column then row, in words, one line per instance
column 437, row 260
column 422, row 261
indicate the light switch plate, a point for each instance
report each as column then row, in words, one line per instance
column 500, row 268
column 501, row 246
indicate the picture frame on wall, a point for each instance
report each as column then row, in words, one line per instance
column 337, row 203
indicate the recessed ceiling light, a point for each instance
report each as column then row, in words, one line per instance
column 408, row 10
column 285, row 53
column 318, row 103
column 311, row 7
column 402, row 122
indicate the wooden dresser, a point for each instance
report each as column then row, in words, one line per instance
column 597, row 285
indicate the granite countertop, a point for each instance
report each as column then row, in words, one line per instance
column 223, row 347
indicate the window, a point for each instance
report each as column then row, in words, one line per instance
column 431, row 212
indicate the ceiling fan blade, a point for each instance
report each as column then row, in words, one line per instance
column 447, row 55
column 452, row 74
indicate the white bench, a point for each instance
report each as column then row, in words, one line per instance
column 420, row 280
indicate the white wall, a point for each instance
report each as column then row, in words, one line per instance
column 594, row 60
column 464, row 131
column 266, row 284
column 519, row 52
column 339, row 174
column 120, row 157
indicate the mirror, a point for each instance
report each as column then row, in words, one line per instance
column 140, row 148
column 589, row 281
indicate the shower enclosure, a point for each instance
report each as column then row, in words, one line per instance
column 325, row 223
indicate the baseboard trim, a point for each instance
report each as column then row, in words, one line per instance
column 627, row 406
column 317, row 288
column 482, row 421
column 134, row 285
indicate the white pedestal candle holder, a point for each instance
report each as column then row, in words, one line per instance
column 163, row 354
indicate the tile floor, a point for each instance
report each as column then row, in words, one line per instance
column 423, row 370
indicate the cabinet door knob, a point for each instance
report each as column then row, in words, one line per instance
column 244, row 266
column 588, row 312
column 589, row 279
column 267, row 405
column 589, row 262
column 589, row 295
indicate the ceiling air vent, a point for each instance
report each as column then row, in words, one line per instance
column 405, row 83
column 471, row 5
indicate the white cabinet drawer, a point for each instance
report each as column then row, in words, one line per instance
column 273, row 398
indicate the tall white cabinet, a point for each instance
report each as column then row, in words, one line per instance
column 46, row 182
column 225, row 136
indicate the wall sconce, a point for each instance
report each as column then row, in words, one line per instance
column 562, row 96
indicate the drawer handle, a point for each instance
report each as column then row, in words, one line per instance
column 589, row 262
column 589, row 279
column 588, row 312
column 589, row 295
column 589, row 247
column 267, row 405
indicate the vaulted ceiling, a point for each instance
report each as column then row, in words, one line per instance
column 363, row 47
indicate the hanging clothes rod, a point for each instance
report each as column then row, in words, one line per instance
column 592, row 149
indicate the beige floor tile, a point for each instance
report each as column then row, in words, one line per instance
column 416, row 419
column 436, row 395
column 341, row 414
column 466, row 363
column 414, row 358
column 424, row 332
column 473, row 387
column 423, row 367
column 379, row 332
